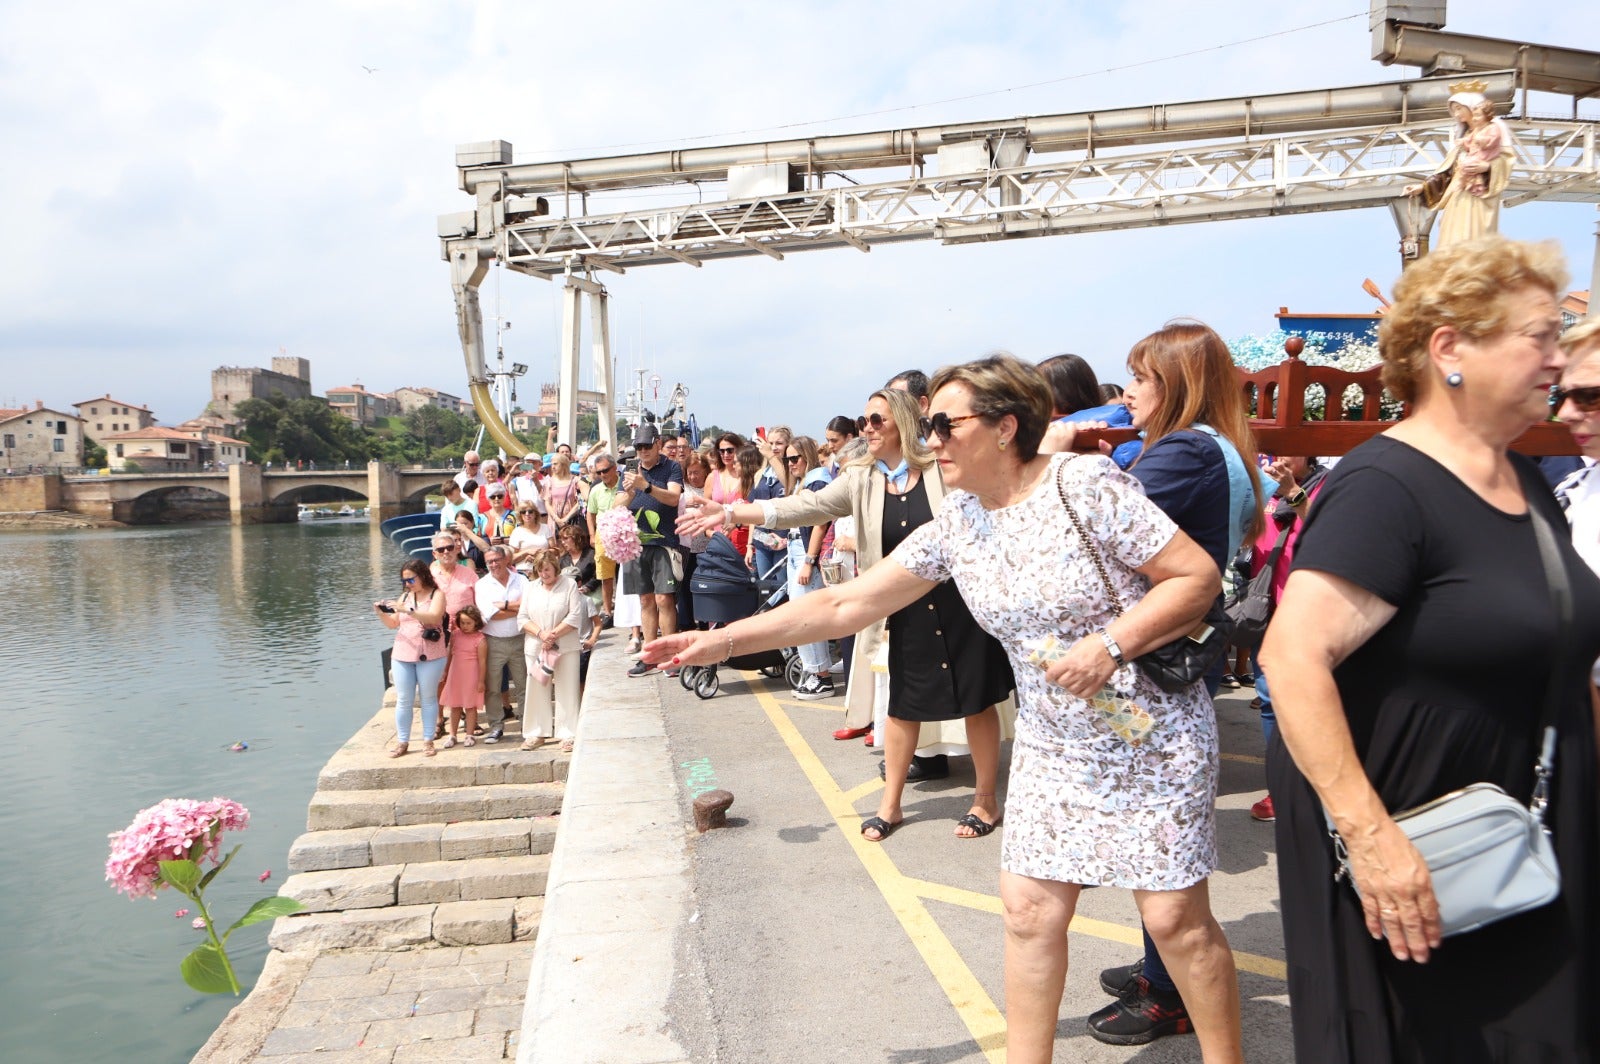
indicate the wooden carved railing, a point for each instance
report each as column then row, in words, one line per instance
column 1278, row 396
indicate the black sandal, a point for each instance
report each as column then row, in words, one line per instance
column 979, row 826
column 880, row 825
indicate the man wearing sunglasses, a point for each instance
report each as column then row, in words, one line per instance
column 652, row 494
column 471, row 464
column 602, row 496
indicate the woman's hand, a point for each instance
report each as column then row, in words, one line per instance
column 844, row 543
column 687, row 648
column 804, row 573
column 1396, row 890
column 1085, row 667
column 700, row 514
column 1279, row 470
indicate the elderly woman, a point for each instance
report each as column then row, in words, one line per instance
column 941, row 666
column 551, row 618
column 1408, row 658
column 1087, row 803
column 1577, row 404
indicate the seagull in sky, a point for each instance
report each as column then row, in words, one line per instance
column 369, row 70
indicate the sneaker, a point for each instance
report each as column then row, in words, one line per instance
column 1263, row 811
column 1123, row 980
column 1141, row 1016
column 1229, row 680
column 494, row 736
column 836, row 665
column 814, row 687
column 641, row 669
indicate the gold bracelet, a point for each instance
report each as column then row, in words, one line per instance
column 729, row 655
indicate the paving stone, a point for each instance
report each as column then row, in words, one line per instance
column 523, row 799
column 316, row 851
column 429, row 955
column 473, row 880
column 403, row 845
column 542, row 835
column 313, row 1039
column 456, row 999
column 369, row 1008
column 303, row 1014
column 483, row 954
column 339, row 987
column 473, row 923
column 343, row 888
column 341, row 1056
column 343, row 964
column 393, row 928
column 525, row 919
column 499, row 1018
column 364, row 773
column 478, row 1047
column 420, row 1028
column 335, row 810
column 484, row 838
column 426, row 981
column 432, row 807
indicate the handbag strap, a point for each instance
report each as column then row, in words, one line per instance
column 1088, row 540
column 1555, row 572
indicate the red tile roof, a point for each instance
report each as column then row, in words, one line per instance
column 118, row 402
column 154, row 432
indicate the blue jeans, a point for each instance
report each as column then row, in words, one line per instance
column 814, row 656
column 1269, row 719
column 765, row 560
column 408, row 676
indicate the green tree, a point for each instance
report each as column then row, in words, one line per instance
column 94, row 455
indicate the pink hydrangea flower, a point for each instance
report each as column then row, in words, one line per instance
column 180, row 914
column 619, row 535
column 166, row 832
column 263, row 877
column 199, row 923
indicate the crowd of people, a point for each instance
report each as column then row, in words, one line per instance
column 961, row 569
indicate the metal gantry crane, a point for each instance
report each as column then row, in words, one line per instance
column 1159, row 164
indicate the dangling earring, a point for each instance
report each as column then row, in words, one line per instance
column 1453, row 380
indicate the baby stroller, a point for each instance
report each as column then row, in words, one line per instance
column 725, row 590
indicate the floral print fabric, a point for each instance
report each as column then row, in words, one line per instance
column 1084, row 805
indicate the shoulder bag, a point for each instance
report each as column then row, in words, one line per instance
column 1175, row 666
column 1253, row 610
column 1489, row 857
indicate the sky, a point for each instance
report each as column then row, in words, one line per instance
column 197, row 185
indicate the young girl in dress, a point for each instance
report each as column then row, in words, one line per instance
column 466, row 675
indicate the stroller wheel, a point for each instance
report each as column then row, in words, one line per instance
column 707, row 684
column 686, row 676
column 772, row 672
column 795, row 672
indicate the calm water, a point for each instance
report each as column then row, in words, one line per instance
column 130, row 661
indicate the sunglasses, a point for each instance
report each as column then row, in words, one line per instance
column 1586, row 398
column 408, row 579
column 794, row 458
column 728, row 450
column 472, row 463
column 607, row 469
column 444, row 550
column 875, row 420
column 940, row 424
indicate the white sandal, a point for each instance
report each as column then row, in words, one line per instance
column 449, row 741
column 468, row 740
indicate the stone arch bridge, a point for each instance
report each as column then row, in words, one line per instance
column 255, row 496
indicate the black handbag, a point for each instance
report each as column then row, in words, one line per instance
column 1174, row 666
column 1251, row 613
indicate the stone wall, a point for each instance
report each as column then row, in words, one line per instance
column 25, row 494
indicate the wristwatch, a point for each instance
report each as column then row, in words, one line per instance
column 1112, row 648
column 811, row 559
column 1295, row 499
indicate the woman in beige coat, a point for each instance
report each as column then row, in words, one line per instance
column 942, row 666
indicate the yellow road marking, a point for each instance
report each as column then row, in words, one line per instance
column 797, row 704
column 966, row 994
column 855, row 794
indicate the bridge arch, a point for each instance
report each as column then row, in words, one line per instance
column 172, row 503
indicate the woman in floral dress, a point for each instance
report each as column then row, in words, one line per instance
column 1095, row 798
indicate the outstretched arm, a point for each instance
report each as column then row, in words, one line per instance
column 826, row 614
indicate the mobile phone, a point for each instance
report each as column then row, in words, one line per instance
column 384, row 607
column 761, row 432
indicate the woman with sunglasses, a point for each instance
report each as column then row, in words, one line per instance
column 1577, row 404
column 726, row 483
column 1412, row 654
column 530, row 536
column 805, row 568
column 602, row 497
column 418, row 659
column 941, row 665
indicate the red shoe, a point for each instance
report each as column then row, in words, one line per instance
column 852, row 733
column 1263, row 811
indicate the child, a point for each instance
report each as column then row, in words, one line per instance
column 466, row 675
column 1482, row 144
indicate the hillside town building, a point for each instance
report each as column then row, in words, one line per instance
column 40, row 437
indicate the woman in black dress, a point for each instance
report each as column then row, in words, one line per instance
column 942, row 666
column 1408, row 658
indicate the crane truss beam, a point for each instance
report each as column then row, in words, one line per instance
column 1240, row 179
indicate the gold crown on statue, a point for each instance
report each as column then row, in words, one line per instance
column 1479, row 87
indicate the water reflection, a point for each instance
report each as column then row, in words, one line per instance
column 132, row 660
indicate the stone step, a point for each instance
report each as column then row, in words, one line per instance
column 458, row 923
column 336, row 810
column 365, row 766
column 419, row 883
column 319, row 851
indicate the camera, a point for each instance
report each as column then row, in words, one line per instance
column 384, row 607
column 432, row 635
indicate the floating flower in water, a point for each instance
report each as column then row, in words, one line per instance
column 239, row 746
column 619, row 535
column 263, row 877
column 165, row 846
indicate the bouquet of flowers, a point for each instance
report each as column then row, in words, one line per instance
column 619, row 535
column 165, row 847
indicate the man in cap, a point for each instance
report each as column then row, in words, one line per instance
column 652, row 493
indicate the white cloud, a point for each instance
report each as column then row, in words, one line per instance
column 195, row 185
